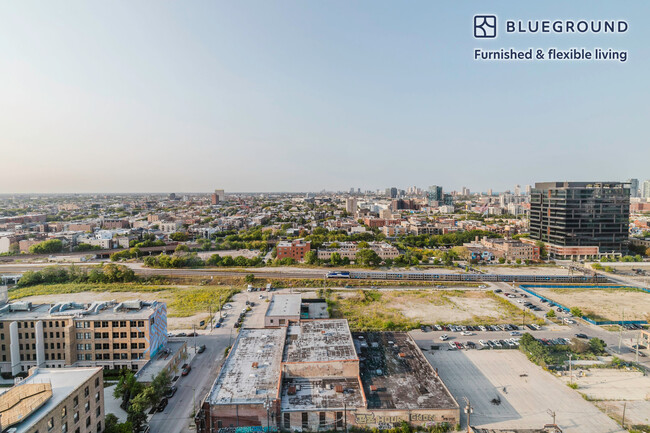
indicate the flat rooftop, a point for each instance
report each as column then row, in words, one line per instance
column 396, row 375
column 130, row 310
column 252, row 370
column 318, row 341
column 160, row 361
column 64, row 382
column 284, row 305
column 301, row 394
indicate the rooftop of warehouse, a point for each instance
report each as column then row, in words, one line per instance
column 284, row 305
column 396, row 375
column 252, row 370
column 299, row 394
column 318, row 341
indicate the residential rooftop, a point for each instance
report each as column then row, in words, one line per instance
column 252, row 370
column 112, row 310
column 63, row 381
column 284, row 305
column 318, row 341
column 396, row 375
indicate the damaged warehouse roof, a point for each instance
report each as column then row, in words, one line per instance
column 319, row 340
column 396, row 375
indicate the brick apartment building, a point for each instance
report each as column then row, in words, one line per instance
column 62, row 400
column 294, row 250
column 105, row 334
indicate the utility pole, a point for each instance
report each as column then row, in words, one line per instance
column 623, row 421
column 194, row 336
column 570, row 368
column 468, row 410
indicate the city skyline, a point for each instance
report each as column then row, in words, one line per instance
column 185, row 97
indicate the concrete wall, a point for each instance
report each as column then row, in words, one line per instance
column 322, row 369
column 275, row 321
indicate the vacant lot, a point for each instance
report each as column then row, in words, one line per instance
column 602, row 304
column 186, row 305
column 507, row 391
column 611, row 388
column 408, row 309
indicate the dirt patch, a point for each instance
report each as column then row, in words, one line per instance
column 606, row 304
column 408, row 309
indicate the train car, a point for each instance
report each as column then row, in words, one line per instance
column 338, row 274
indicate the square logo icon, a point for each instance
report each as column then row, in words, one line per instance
column 485, row 26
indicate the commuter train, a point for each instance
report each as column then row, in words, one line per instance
column 422, row 276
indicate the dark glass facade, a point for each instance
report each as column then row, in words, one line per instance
column 581, row 214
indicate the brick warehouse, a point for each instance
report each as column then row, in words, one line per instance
column 317, row 375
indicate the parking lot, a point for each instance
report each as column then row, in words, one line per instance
column 505, row 390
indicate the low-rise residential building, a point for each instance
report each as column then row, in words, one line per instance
column 295, row 249
column 350, row 249
column 55, row 400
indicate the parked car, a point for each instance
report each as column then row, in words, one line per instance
column 145, row 428
column 452, row 346
column 582, row 336
column 444, row 337
column 466, row 333
column 171, row 392
column 162, row 405
column 201, row 348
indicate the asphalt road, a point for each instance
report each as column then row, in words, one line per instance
column 177, row 416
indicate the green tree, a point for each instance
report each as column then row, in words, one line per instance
column 112, row 425
column 597, row 346
column 362, row 245
column 502, row 260
column 182, row 248
column 311, row 257
column 249, row 278
column 367, row 257
column 575, row 311
column 551, row 313
column 127, row 388
column 161, row 384
column 335, row 259
column 49, row 246
column 179, row 236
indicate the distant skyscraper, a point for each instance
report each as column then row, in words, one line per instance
column 351, row 205
column 571, row 215
column 634, row 187
column 221, row 194
column 351, row 190
column 214, row 198
column 465, row 191
column 490, row 191
column 528, row 189
column 517, row 189
column 391, row 192
column 435, row 195
column 645, row 189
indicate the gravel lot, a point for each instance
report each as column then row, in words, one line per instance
column 525, row 392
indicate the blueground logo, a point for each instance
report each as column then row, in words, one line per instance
column 485, row 26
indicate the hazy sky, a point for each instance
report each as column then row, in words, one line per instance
column 128, row 96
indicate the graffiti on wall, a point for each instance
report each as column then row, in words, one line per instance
column 247, row 429
column 373, row 418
